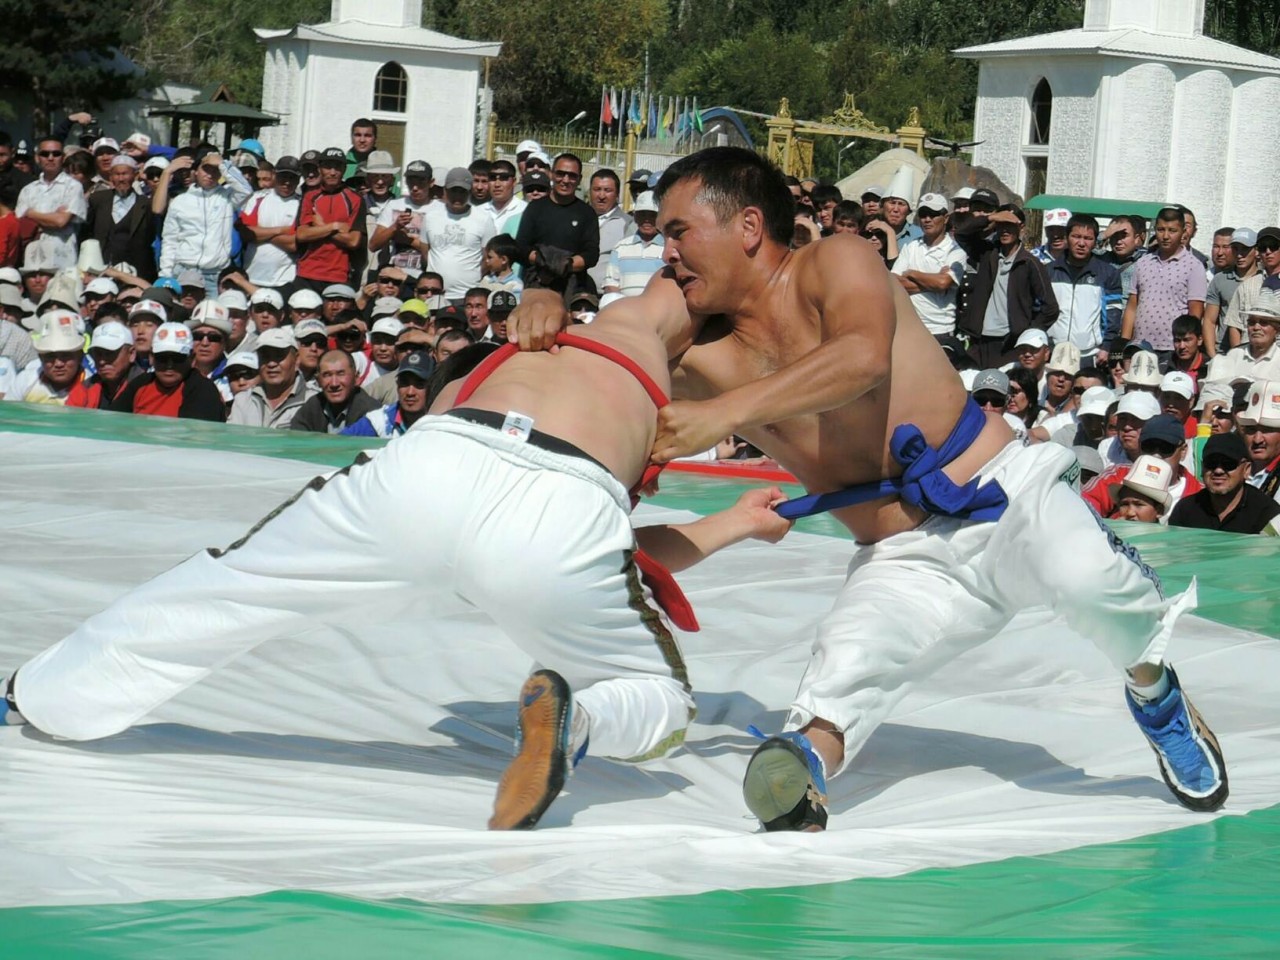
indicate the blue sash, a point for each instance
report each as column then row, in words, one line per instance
column 922, row 484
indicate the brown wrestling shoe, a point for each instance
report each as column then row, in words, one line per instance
column 537, row 774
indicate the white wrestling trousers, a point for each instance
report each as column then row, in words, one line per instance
column 915, row 601
column 432, row 515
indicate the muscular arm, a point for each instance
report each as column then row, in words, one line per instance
column 847, row 286
column 939, row 282
column 678, row 546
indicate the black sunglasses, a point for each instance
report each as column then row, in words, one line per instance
column 1159, row 448
column 168, row 359
column 1268, row 246
column 50, row 153
column 212, row 336
column 1226, row 464
column 502, row 176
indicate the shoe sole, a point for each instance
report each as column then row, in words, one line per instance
column 536, row 776
column 1219, row 796
column 776, row 783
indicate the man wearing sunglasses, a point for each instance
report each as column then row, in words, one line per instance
column 1244, row 264
column 174, row 387
column 1227, row 502
column 1268, row 253
column 504, row 206
column 1259, row 357
column 210, row 325
column 560, row 235
column 56, row 203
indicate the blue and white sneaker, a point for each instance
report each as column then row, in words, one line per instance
column 546, row 752
column 784, row 785
column 9, row 715
column 1188, row 752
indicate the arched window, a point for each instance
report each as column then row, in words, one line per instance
column 1041, row 113
column 391, row 89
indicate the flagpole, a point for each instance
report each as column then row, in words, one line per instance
column 599, row 120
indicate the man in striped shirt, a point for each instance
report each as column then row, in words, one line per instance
column 638, row 257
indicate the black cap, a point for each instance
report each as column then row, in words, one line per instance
column 585, row 297
column 333, row 155
column 310, row 158
column 449, row 311
column 536, row 178
column 418, row 168
column 1240, row 395
column 1225, row 445
column 289, row 165
column 952, row 345
column 418, row 362
column 1133, row 346
column 502, row 302
column 1163, row 427
column 1269, row 233
column 983, row 195
column 640, row 176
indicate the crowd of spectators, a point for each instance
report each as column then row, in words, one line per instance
column 319, row 292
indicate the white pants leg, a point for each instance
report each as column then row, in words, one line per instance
column 915, row 601
column 537, row 540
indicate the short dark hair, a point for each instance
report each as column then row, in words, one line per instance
column 825, row 193
column 479, row 165
column 364, row 122
column 1016, row 210
column 568, row 156
column 5, row 139
column 733, row 178
column 604, row 173
column 8, row 194
column 1187, row 324
column 1171, row 215
column 1083, row 220
column 111, row 311
column 849, row 210
column 506, row 166
column 429, row 275
column 504, row 245
column 477, row 292
column 1137, row 224
column 1224, row 231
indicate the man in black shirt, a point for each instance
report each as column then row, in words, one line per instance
column 1226, row 502
column 560, row 235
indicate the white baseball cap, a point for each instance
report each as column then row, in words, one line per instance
column 391, row 326
column 1096, row 401
column 645, row 203
column 59, row 331
column 267, row 296
column 1032, row 337
column 149, row 308
column 1057, row 217
column 234, row 299
column 107, row 143
column 964, row 193
column 1144, row 370
column 386, row 306
column 1140, row 404
column 1151, row 477
column 210, row 313
column 1263, row 409
column 335, row 291
column 1175, row 381
column 102, row 286
column 1064, row 359
column 528, row 146
column 309, row 328
column 242, row 358
column 279, row 337
column 156, row 163
column 306, row 299
column 140, row 139
column 172, row 338
column 111, row 335
column 935, row 202
column 1216, row 390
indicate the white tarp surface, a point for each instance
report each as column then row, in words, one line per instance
column 365, row 763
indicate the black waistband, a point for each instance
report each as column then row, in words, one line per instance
column 536, row 438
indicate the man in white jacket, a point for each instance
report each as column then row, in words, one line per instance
column 197, row 229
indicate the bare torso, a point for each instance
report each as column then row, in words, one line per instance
column 582, row 398
column 848, row 444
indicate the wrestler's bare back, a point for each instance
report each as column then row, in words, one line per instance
column 583, row 398
column 848, row 444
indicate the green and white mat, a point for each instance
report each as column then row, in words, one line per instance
column 326, row 795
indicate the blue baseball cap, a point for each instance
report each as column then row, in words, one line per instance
column 254, row 147
column 168, row 283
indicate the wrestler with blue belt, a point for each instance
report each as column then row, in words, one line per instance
column 816, row 357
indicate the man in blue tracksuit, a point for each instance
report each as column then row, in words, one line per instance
column 1088, row 293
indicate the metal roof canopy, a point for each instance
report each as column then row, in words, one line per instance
column 1096, row 206
column 216, row 105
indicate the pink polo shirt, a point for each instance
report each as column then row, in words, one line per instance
column 1164, row 288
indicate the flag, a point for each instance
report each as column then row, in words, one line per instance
column 606, row 112
column 613, row 103
column 697, row 116
column 652, row 127
column 636, row 117
column 669, row 118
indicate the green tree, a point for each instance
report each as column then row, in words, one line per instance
column 65, row 53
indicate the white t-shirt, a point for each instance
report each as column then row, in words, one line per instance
column 406, row 258
column 457, row 246
column 937, row 310
column 265, row 264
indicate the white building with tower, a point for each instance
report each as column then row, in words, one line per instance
column 1137, row 105
column 374, row 59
